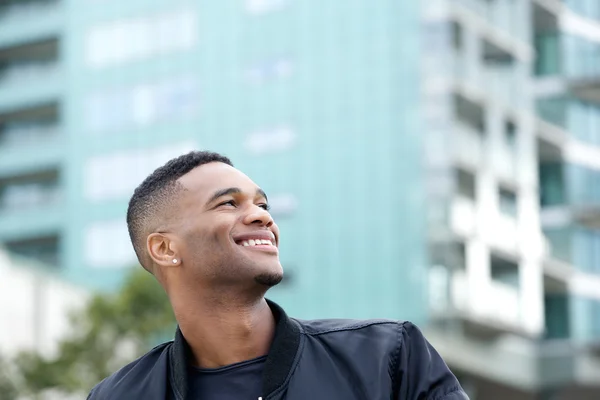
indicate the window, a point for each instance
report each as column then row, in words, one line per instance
column 556, row 308
column 469, row 113
column 283, row 205
column 30, row 191
column 510, row 134
column 23, row 63
column 581, row 56
column 44, row 249
column 560, row 241
column 583, row 120
column 457, row 35
column 125, row 170
column 112, row 235
column 494, row 55
column 143, row 104
column 586, row 8
column 583, row 185
column 30, row 127
column 552, row 186
column 119, row 42
column 270, row 141
column 586, row 249
column 465, row 183
column 507, row 201
column 504, row 270
column 274, row 69
column 21, row 9
column 548, row 61
column 451, row 255
column 553, row 110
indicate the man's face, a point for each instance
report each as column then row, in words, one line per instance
column 225, row 233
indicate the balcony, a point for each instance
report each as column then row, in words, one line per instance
column 555, row 143
column 44, row 249
column 546, row 15
column 29, row 20
column 504, row 161
column 467, row 145
column 568, row 45
column 30, row 203
column 26, row 222
column 495, row 26
column 517, row 362
column 503, row 86
column 491, row 83
column 569, row 196
column 509, row 17
column 463, row 216
column 459, row 294
column 30, row 138
column 29, row 74
column 559, row 216
column 25, row 148
column 484, row 309
column 562, row 277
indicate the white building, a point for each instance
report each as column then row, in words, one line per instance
column 34, row 306
column 513, row 221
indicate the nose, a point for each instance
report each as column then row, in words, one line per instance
column 259, row 216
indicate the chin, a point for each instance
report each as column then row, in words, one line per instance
column 269, row 279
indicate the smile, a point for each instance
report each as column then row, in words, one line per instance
column 256, row 242
column 260, row 240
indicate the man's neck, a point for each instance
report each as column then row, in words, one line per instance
column 220, row 335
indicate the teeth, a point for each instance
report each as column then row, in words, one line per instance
column 256, row 242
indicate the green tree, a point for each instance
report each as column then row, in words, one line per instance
column 108, row 332
column 8, row 385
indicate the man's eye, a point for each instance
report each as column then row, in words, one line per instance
column 264, row 206
column 228, row 203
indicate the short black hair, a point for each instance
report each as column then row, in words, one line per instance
column 158, row 190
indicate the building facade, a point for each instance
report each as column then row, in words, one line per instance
column 95, row 95
column 433, row 161
column 512, row 160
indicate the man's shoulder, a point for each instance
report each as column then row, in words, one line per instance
column 134, row 372
column 317, row 327
column 384, row 334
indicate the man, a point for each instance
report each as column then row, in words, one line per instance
column 203, row 229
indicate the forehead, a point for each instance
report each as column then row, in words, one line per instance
column 206, row 179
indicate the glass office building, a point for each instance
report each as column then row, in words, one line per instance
column 314, row 102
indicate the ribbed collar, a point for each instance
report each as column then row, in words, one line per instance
column 280, row 359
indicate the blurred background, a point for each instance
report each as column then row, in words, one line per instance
column 435, row 161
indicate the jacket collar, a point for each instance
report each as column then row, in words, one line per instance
column 278, row 365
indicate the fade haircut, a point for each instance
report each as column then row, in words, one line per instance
column 158, row 190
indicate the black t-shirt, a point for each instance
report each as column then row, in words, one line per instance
column 241, row 381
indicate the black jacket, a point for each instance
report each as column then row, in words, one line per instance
column 316, row 360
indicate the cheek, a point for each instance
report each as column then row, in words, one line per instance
column 275, row 230
column 209, row 234
column 219, row 234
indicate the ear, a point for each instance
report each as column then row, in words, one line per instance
column 162, row 250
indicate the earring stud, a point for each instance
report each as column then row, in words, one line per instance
column 174, row 261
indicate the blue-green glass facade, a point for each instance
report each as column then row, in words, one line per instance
column 573, row 61
column 317, row 102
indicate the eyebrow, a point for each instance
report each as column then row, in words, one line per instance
column 234, row 190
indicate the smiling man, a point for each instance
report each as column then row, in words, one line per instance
column 203, row 229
